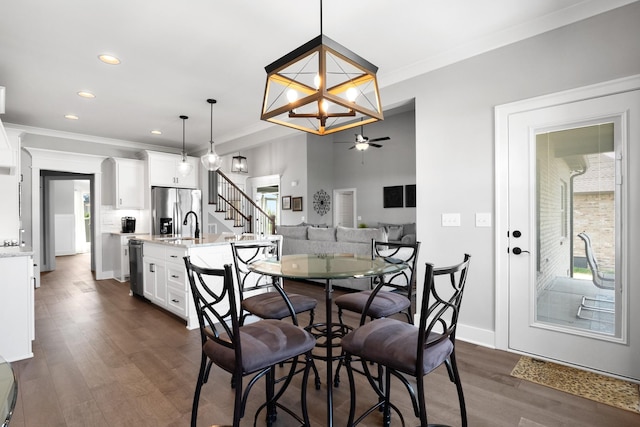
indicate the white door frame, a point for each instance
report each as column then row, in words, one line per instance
column 502, row 113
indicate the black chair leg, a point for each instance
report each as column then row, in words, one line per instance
column 352, row 389
column 196, row 395
column 458, row 383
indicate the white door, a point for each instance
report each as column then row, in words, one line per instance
column 344, row 207
column 572, row 170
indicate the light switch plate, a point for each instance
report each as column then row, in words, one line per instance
column 451, row 220
column 483, row 219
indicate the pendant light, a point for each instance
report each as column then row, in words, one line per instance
column 321, row 88
column 211, row 160
column 184, row 167
column 239, row 164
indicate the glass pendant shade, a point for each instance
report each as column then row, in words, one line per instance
column 211, row 160
column 184, row 167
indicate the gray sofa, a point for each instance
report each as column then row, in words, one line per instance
column 318, row 240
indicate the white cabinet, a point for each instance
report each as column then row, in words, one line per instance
column 123, row 183
column 165, row 280
column 17, row 321
column 163, row 170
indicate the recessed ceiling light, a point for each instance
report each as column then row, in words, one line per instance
column 71, row 117
column 108, row 59
column 86, row 94
column 156, row 132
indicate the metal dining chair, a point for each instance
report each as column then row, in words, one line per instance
column 245, row 350
column 405, row 350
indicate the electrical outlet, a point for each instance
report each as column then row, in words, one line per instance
column 451, row 220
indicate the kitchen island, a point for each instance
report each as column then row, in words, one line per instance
column 164, row 274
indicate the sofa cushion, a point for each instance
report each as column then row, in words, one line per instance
column 358, row 235
column 293, row 232
column 409, row 228
column 322, row 234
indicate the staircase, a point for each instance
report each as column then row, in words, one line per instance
column 239, row 208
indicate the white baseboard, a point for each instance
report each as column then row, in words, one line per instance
column 473, row 335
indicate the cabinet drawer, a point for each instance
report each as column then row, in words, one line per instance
column 151, row 250
column 175, row 255
column 176, row 277
column 177, row 301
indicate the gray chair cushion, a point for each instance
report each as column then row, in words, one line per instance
column 264, row 343
column 394, row 343
column 384, row 304
column 270, row 305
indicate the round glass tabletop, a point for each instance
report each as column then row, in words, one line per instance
column 326, row 266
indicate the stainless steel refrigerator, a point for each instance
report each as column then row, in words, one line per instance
column 169, row 207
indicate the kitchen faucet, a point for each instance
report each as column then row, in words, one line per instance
column 196, row 234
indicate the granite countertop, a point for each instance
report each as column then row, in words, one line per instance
column 13, row 251
column 204, row 240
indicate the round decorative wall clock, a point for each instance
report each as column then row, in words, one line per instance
column 321, row 202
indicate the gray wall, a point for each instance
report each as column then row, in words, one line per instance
column 375, row 168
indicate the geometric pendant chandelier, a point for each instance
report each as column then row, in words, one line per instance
column 321, row 88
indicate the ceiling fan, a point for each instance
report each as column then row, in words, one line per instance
column 363, row 142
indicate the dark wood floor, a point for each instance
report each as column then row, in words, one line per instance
column 103, row 358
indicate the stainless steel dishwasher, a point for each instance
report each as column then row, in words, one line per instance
column 135, row 267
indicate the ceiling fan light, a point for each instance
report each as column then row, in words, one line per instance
column 361, row 146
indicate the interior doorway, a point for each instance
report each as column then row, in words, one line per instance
column 66, row 216
column 344, row 207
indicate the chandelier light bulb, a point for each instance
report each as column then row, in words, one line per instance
column 316, row 81
column 184, row 167
column 352, row 94
column 292, row 95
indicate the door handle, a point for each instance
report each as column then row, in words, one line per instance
column 518, row 251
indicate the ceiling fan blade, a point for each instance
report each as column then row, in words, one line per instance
column 352, row 147
column 375, row 145
column 343, row 142
column 384, row 138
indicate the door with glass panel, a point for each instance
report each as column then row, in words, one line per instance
column 571, row 228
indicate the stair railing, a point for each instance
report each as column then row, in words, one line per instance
column 241, row 209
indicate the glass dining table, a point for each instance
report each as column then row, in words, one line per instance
column 327, row 267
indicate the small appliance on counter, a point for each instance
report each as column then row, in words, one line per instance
column 128, row 224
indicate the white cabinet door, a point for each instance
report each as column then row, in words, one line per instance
column 163, row 171
column 17, row 314
column 155, row 281
column 129, row 184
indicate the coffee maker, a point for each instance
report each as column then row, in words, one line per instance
column 128, row 224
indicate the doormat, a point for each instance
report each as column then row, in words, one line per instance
column 610, row 391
